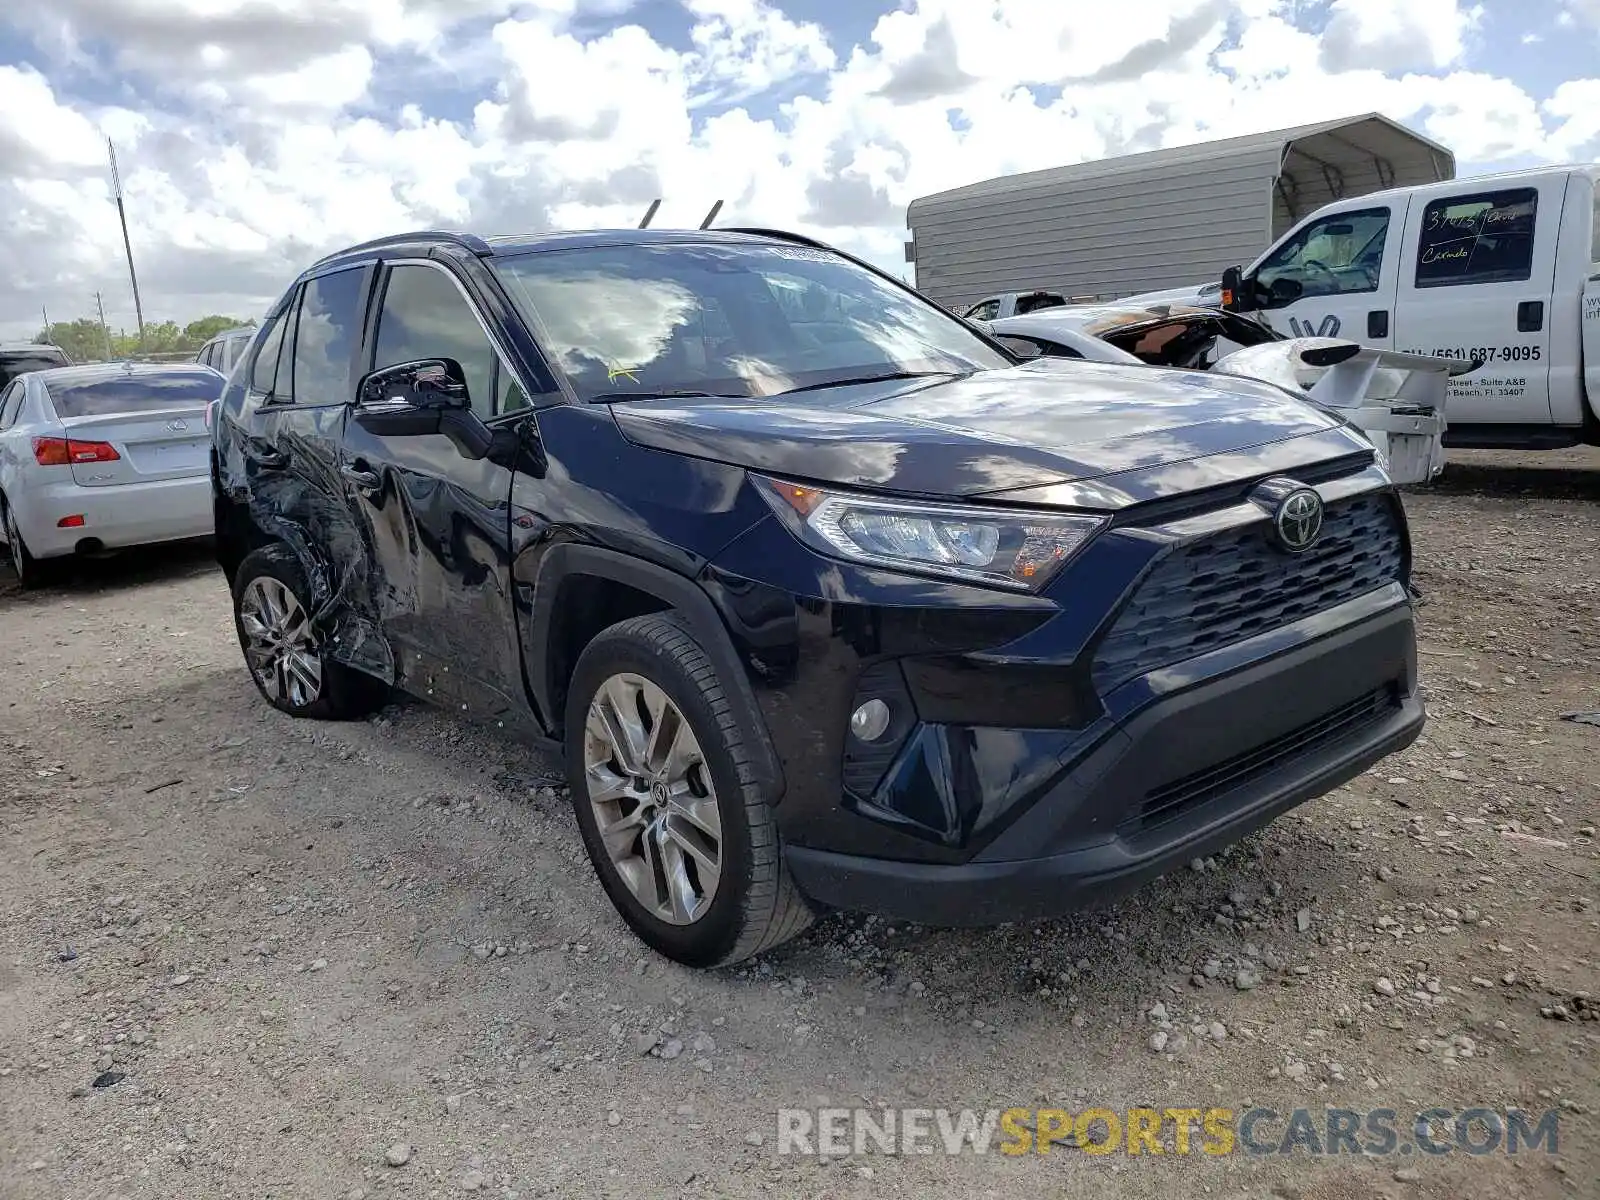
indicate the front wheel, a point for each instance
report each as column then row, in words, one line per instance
column 283, row 648
column 679, row 832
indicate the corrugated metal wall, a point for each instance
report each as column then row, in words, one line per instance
column 1114, row 234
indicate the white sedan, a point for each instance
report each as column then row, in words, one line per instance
column 103, row 457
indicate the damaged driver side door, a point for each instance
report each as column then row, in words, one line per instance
column 438, row 519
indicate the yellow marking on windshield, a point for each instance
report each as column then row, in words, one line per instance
column 628, row 373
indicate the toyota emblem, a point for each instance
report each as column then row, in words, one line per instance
column 177, row 424
column 1298, row 520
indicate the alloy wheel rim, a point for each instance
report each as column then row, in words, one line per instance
column 279, row 643
column 14, row 546
column 653, row 800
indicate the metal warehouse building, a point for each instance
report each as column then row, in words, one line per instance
column 1167, row 218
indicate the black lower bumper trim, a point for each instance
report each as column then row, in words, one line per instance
column 990, row 892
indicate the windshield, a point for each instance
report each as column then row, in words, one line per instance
column 736, row 320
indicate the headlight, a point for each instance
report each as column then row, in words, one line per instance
column 1005, row 548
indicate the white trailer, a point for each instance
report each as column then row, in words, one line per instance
column 1162, row 219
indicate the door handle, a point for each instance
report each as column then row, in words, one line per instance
column 1530, row 316
column 1378, row 323
column 360, row 479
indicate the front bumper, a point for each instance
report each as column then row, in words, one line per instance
column 115, row 515
column 1190, row 771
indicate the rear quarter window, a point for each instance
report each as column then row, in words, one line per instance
column 110, row 397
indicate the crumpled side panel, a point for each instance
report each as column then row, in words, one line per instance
column 287, row 507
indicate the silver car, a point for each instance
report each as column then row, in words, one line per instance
column 103, row 457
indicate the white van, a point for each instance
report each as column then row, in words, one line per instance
column 1501, row 269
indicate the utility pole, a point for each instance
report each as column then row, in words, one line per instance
column 122, row 215
column 101, row 309
column 46, row 311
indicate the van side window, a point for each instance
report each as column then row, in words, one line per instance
column 986, row 311
column 1339, row 255
column 1481, row 238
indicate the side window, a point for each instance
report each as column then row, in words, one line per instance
column 424, row 315
column 1038, row 300
column 10, row 403
column 264, row 370
column 1336, row 256
column 1594, row 251
column 326, row 336
column 986, row 311
column 1034, row 347
column 1483, row 238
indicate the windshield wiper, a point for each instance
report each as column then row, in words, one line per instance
column 886, row 377
column 663, row 394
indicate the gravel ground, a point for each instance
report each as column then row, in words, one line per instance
column 246, row 956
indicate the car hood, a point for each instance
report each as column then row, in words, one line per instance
column 1044, row 422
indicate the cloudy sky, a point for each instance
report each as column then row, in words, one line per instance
column 255, row 134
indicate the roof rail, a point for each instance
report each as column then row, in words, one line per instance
column 783, row 235
column 467, row 241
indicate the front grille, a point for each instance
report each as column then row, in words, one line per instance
column 1223, row 589
column 1172, row 800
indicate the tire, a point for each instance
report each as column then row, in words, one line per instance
column 295, row 677
column 751, row 904
column 31, row 572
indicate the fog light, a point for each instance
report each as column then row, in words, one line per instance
column 870, row 720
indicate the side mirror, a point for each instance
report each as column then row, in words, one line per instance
column 1235, row 296
column 425, row 383
column 427, row 396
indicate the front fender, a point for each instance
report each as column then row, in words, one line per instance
column 563, row 562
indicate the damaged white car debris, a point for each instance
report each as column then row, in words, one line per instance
column 1397, row 400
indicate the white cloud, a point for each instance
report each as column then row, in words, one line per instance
column 1397, row 35
column 1576, row 106
column 250, row 140
column 1582, row 12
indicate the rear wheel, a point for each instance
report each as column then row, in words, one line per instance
column 283, row 648
column 30, row 572
column 677, row 828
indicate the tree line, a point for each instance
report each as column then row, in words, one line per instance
column 86, row 340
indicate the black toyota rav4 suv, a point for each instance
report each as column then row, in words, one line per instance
column 826, row 598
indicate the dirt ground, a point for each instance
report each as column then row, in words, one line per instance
column 285, row 950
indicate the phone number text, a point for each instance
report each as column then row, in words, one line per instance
column 1487, row 354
